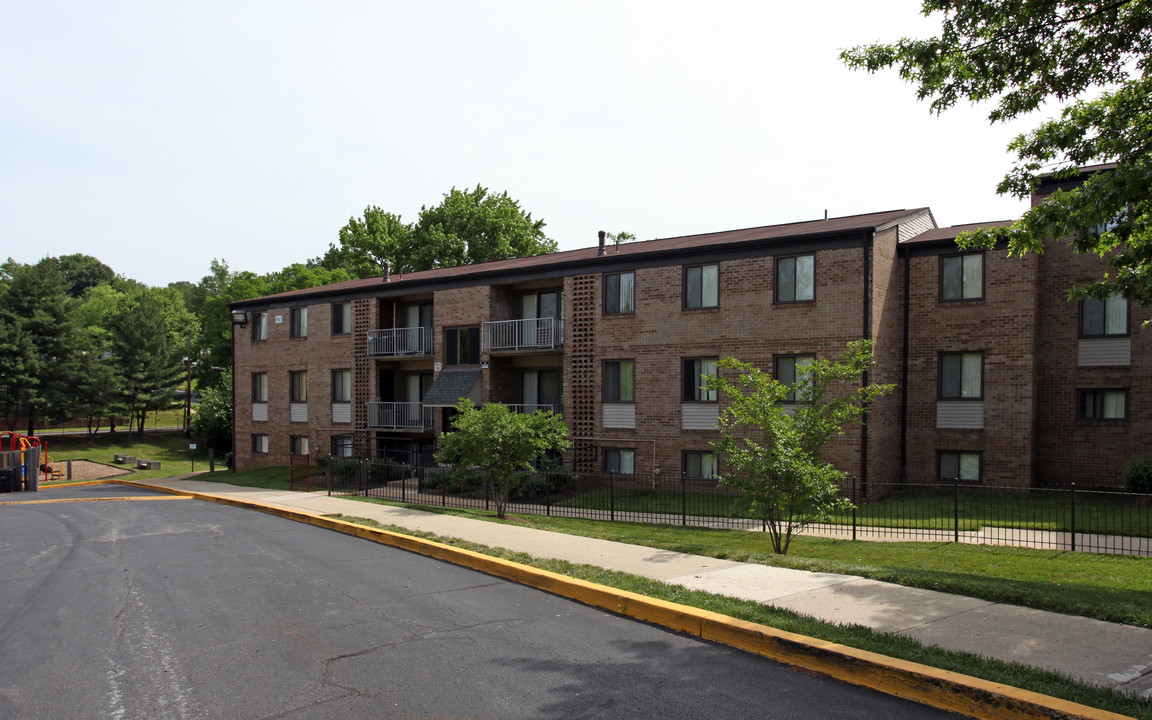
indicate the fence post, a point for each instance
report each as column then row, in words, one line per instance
column 853, row 507
column 683, row 500
column 612, row 495
column 548, row 495
column 956, row 509
column 487, row 492
column 444, row 492
column 1073, row 517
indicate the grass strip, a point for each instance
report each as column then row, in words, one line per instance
column 1106, row 587
column 889, row 644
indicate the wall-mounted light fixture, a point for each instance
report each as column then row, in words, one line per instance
column 239, row 317
column 484, row 365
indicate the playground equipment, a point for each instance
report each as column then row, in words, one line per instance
column 22, row 459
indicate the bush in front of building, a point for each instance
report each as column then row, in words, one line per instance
column 1138, row 476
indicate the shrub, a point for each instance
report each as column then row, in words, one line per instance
column 1138, row 476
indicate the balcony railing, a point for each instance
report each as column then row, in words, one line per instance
column 527, row 334
column 399, row 416
column 529, row 408
column 400, row 341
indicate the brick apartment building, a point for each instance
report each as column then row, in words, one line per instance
column 999, row 377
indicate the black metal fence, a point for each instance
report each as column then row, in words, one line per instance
column 1053, row 518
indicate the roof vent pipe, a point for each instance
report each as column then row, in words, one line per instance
column 601, row 251
column 386, row 267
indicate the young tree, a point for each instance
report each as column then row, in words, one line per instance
column 213, row 418
column 775, row 451
column 1095, row 56
column 503, row 443
column 146, row 351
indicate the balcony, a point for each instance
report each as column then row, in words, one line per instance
column 400, row 342
column 527, row 334
column 529, row 408
column 399, row 416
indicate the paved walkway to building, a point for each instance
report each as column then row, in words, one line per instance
column 1107, row 654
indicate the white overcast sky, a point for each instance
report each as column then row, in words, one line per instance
column 157, row 136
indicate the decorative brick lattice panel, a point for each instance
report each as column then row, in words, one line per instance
column 580, row 370
column 363, row 320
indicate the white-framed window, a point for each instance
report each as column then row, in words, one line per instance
column 1099, row 318
column 260, row 444
column 958, row 465
column 962, row 376
column 260, row 387
column 701, row 286
column 298, row 322
column 341, row 386
column 619, row 293
column 298, row 386
column 620, row 460
column 1103, row 405
column 962, row 277
column 298, row 444
column 693, row 374
column 796, row 279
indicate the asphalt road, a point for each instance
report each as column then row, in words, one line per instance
column 175, row 608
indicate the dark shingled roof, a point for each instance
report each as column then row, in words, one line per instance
column 449, row 386
column 637, row 250
column 950, row 233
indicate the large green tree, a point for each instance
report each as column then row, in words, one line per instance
column 148, row 348
column 774, row 450
column 467, row 227
column 503, row 444
column 1090, row 56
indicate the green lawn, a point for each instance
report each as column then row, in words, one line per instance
column 169, row 447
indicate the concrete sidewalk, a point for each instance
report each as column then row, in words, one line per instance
column 1106, row 654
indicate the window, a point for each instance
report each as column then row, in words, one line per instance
column 298, row 322
column 786, row 366
column 694, row 372
column 342, row 446
column 259, row 326
column 619, row 293
column 959, row 466
column 341, row 318
column 961, row 376
column 341, row 386
column 462, row 346
column 795, row 279
column 701, row 286
column 619, row 460
column 298, row 386
column 259, row 387
column 962, row 277
column 620, row 381
column 298, row 444
column 701, row 465
column 260, row 444
column 1103, row 317
column 1103, row 405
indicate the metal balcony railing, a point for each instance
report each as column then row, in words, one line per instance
column 527, row 334
column 400, row 341
column 528, row 408
column 399, row 416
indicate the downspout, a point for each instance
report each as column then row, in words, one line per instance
column 867, row 319
column 234, row 453
column 904, row 368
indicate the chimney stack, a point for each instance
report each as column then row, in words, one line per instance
column 601, row 251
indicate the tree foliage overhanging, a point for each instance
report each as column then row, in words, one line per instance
column 1091, row 56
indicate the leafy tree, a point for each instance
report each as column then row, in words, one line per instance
column 37, row 342
column 503, row 443
column 775, row 452
column 468, row 226
column 145, row 348
column 95, row 383
column 1094, row 57
column 213, row 418
column 222, row 287
column 81, row 272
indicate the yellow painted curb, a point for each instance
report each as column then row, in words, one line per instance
column 930, row 686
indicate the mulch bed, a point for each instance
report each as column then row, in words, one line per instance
column 89, row 470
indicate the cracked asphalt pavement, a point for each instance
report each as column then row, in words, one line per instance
column 195, row 610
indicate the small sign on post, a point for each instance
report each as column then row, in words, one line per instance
column 192, row 455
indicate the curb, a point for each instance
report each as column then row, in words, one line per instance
column 930, row 686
